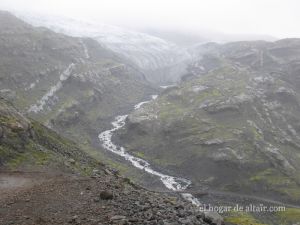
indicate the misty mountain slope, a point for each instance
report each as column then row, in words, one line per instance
column 191, row 37
column 278, row 56
column 233, row 125
column 71, row 84
column 161, row 61
column 87, row 86
column 27, row 144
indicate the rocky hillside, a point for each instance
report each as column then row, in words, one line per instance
column 162, row 61
column 70, row 84
column 27, row 144
column 232, row 125
column 46, row 165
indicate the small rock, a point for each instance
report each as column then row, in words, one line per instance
column 200, row 194
column 95, row 171
column 118, row 217
column 106, row 195
column 214, row 142
column 26, row 217
column 133, row 220
column 96, row 200
column 74, row 220
column 108, row 172
column 179, row 207
column 72, row 161
column 1, row 132
column 213, row 218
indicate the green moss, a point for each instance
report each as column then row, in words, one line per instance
column 49, row 138
column 4, row 151
column 166, row 161
column 75, row 133
column 140, row 154
column 169, row 111
column 257, row 135
column 8, row 121
column 17, row 161
column 31, row 155
column 41, row 158
column 212, row 93
column 85, row 170
column 278, row 182
column 241, row 218
column 271, row 177
column 47, row 115
column 118, row 166
column 293, row 192
column 45, row 148
column 289, row 216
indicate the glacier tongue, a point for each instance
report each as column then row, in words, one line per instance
column 149, row 53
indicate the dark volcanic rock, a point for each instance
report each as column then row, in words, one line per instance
column 106, row 195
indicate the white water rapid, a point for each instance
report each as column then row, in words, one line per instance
column 170, row 182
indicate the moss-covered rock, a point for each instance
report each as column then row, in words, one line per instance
column 289, row 216
column 28, row 144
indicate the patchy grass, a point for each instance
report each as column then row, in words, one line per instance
column 293, row 192
column 278, row 182
column 290, row 216
column 140, row 155
column 271, row 177
column 241, row 218
column 30, row 157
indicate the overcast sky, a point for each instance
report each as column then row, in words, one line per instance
column 279, row 18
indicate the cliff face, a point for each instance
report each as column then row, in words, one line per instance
column 232, row 125
column 70, row 84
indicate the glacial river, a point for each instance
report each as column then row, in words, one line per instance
column 170, row 182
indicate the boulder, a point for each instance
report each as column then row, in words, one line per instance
column 106, row 195
column 213, row 218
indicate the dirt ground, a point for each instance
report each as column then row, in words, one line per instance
column 14, row 182
column 42, row 198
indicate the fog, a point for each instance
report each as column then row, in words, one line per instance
column 276, row 18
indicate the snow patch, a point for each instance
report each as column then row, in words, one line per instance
column 39, row 106
column 85, row 49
